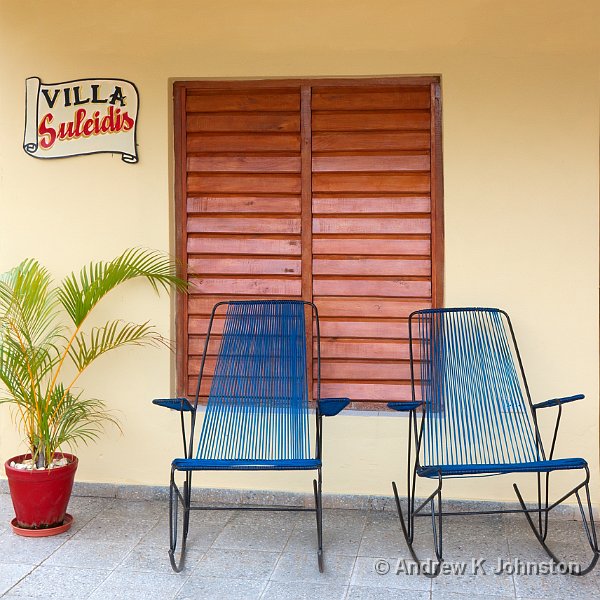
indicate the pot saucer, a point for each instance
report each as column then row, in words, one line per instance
column 48, row 531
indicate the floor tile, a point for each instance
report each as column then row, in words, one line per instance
column 383, row 536
column 209, row 588
column 357, row 592
column 59, row 583
column 88, row 507
column 342, row 532
column 111, row 529
column 128, row 585
column 556, row 586
column 304, row 568
column 388, row 572
column 89, row 554
column 201, row 534
column 154, row 559
column 473, row 594
column 288, row 590
column 484, row 583
column 236, row 564
column 26, row 550
column 136, row 510
column 10, row 574
column 259, row 536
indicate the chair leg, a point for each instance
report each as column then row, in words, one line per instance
column 437, row 527
column 436, row 521
column 175, row 498
column 317, row 486
column 187, row 494
column 587, row 522
column 406, row 525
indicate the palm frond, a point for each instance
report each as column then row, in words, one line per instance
column 28, row 304
column 74, row 420
column 79, row 294
column 115, row 334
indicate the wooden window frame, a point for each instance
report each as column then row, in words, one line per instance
column 180, row 180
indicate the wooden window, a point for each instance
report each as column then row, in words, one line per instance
column 325, row 190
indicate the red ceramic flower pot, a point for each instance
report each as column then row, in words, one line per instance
column 40, row 497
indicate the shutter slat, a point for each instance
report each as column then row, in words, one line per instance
column 243, row 142
column 274, row 122
column 356, row 141
column 409, row 162
column 245, row 245
column 242, row 204
column 398, row 204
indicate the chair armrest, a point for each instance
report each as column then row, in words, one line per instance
column 558, row 401
column 405, row 406
column 329, row 407
column 180, row 404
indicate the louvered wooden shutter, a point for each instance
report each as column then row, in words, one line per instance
column 242, row 214
column 371, row 184
column 327, row 191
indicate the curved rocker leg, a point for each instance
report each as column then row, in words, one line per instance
column 410, row 537
column 175, row 497
column 319, row 514
column 589, row 530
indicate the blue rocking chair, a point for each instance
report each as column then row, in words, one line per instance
column 476, row 418
column 257, row 416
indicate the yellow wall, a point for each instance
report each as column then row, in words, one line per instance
column 520, row 125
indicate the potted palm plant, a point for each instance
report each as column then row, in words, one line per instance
column 45, row 347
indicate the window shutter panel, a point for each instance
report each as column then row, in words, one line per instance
column 371, row 187
column 243, row 186
column 321, row 190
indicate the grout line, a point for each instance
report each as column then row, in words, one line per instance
column 100, row 584
column 362, row 533
column 185, row 580
column 287, row 543
column 19, row 581
column 350, row 580
column 264, row 589
column 111, row 571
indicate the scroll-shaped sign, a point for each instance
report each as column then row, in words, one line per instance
column 86, row 116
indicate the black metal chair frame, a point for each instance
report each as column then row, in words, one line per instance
column 183, row 495
column 543, row 508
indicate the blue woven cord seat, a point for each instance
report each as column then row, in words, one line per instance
column 199, row 464
column 542, row 466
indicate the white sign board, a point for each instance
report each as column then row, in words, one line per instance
column 86, row 116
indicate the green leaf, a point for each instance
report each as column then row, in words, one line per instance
column 114, row 334
column 79, row 294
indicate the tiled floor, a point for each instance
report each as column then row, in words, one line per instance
column 117, row 549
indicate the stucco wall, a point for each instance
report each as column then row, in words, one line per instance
column 520, row 100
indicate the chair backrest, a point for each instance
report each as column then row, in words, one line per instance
column 258, row 403
column 477, row 406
